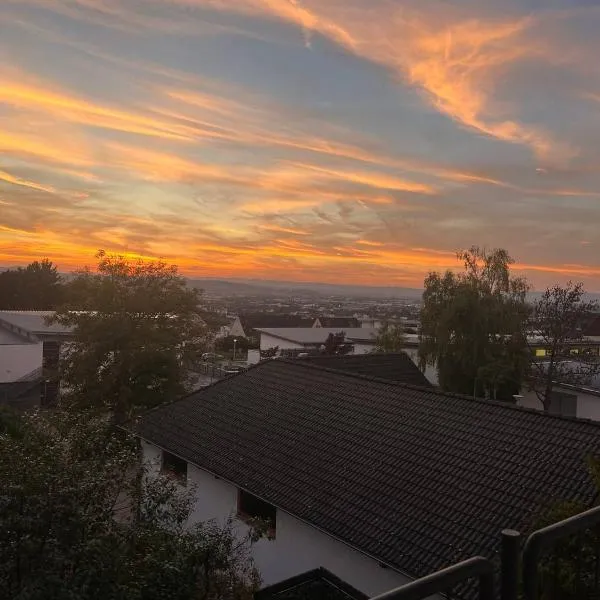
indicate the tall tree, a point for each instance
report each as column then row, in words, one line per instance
column 473, row 325
column 68, row 531
column 335, row 344
column 556, row 323
column 390, row 338
column 35, row 287
column 137, row 335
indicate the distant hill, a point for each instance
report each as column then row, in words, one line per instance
column 261, row 287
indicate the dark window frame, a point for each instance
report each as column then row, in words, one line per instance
column 174, row 467
column 251, row 508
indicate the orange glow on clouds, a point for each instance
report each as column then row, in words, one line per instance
column 427, row 145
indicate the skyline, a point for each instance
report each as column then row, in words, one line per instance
column 348, row 141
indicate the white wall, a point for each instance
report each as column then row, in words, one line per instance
column 16, row 360
column 298, row 547
column 268, row 341
column 430, row 372
column 363, row 348
column 253, row 357
column 588, row 405
column 236, row 329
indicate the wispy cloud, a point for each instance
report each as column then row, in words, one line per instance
column 455, row 59
column 205, row 132
column 13, row 179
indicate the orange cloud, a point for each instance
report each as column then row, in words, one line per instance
column 369, row 243
column 8, row 178
column 279, row 229
column 454, row 60
column 40, row 97
column 371, row 179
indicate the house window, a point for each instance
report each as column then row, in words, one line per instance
column 563, row 404
column 251, row 508
column 174, row 467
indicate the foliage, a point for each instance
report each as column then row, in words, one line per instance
column 569, row 570
column 35, row 287
column 556, row 321
column 68, row 484
column 214, row 320
column 335, row 344
column 473, row 326
column 269, row 352
column 390, row 338
column 137, row 335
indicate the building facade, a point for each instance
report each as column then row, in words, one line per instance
column 295, row 546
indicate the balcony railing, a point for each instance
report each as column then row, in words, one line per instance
column 558, row 562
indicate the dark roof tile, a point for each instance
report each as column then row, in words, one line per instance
column 351, row 322
column 393, row 366
column 414, row 477
column 318, row 584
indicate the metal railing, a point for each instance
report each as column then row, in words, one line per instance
column 562, row 561
column 442, row 582
column 557, row 562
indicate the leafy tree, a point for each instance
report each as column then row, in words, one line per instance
column 335, row 344
column 473, row 326
column 269, row 353
column 390, row 338
column 36, row 287
column 137, row 335
column 556, row 322
column 570, row 570
column 68, row 529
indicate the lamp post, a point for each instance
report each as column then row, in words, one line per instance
column 234, row 343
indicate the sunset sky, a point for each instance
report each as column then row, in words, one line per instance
column 345, row 141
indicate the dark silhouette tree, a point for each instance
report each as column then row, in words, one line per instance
column 137, row 336
column 556, row 323
column 75, row 524
column 473, row 326
column 38, row 286
column 390, row 338
column 335, row 344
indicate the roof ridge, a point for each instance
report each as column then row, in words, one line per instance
column 340, row 356
column 197, row 391
column 306, row 363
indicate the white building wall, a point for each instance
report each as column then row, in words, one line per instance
column 430, row 372
column 253, row 357
column 588, row 405
column 268, row 341
column 363, row 348
column 16, row 360
column 298, row 547
column 236, row 329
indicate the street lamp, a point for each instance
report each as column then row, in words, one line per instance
column 234, row 343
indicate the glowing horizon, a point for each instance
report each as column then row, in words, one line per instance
column 357, row 142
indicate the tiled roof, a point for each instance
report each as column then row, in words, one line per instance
column 33, row 321
column 351, row 322
column 318, row 584
column 250, row 322
column 413, row 477
column 393, row 366
column 318, row 335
